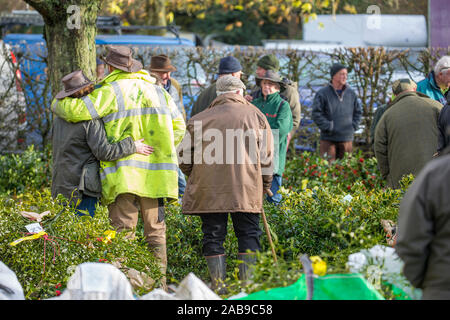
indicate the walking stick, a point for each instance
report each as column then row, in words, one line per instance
column 266, row 226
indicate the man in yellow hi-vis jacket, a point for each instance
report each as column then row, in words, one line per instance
column 130, row 104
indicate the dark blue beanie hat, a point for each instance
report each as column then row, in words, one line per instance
column 229, row 65
column 335, row 68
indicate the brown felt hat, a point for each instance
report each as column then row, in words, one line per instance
column 272, row 76
column 161, row 63
column 73, row 82
column 121, row 57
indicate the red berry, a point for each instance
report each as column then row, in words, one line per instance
column 58, row 292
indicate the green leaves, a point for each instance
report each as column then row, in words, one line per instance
column 20, row 171
column 321, row 217
column 72, row 240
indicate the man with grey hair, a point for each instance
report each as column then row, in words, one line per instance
column 436, row 84
column 220, row 184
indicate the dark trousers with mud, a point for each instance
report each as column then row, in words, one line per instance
column 246, row 227
column 248, row 232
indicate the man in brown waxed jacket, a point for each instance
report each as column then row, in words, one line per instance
column 227, row 174
column 423, row 241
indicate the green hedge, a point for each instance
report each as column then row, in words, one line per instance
column 316, row 217
column 29, row 170
column 41, row 265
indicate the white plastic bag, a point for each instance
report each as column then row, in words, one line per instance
column 97, row 281
column 191, row 288
column 10, row 288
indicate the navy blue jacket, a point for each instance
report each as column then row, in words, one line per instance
column 337, row 117
column 444, row 126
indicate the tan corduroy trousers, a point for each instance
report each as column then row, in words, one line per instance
column 124, row 214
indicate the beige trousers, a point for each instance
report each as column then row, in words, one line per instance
column 124, row 214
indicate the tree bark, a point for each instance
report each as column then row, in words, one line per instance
column 156, row 15
column 70, row 37
column 293, row 25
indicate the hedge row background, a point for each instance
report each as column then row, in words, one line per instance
column 372, row 71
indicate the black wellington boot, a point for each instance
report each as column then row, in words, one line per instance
column 245, row 267
column 217, row 272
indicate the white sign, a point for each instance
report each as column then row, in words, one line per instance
column 34, row 228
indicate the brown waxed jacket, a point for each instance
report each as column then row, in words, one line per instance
column 219, row 180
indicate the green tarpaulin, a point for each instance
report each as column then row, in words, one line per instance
column 351, row 286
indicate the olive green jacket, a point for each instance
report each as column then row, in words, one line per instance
column 204, row 99
column 406, row 137
column 423, row 241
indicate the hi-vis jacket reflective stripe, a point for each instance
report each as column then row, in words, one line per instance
column 131, row 104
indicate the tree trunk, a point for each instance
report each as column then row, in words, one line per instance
column 293, row 25
column 156, row 15
column 70, row 30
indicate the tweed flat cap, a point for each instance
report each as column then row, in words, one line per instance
column 229, row 83
column 401, row 85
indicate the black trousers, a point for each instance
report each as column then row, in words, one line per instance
column 246, row 227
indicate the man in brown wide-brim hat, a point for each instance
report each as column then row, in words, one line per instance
column 161, row 67
column 121, row 57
